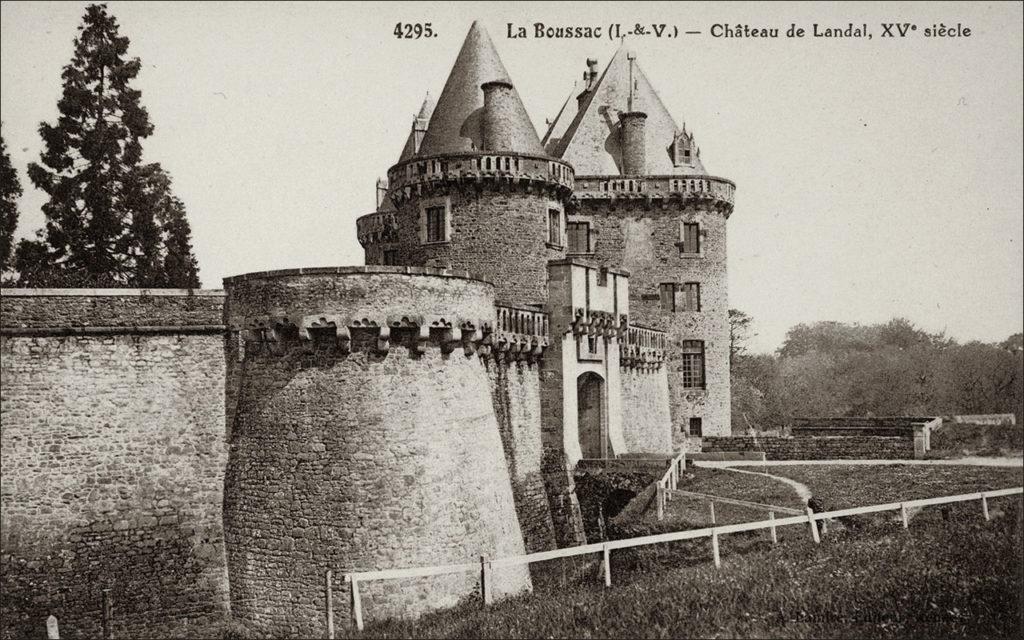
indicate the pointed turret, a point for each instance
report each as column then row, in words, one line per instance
column 458, row 121
column 591, row 138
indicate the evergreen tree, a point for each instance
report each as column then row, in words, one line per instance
column 10, row 191
column 103, row 218
column 179, row 267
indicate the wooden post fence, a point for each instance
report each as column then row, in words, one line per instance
column 330, row 607
column 712, row 504
column 607, row 552
column 814, row 526
column 984, row 506
column 485, row 580
column 903, row 514
column 485, row 565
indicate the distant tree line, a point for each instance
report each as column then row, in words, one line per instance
column 112, row 220
column 890, row 369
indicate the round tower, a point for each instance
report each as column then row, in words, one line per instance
column 364, row 438
column 479, row 193
column 643, row 201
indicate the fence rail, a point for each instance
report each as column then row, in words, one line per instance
column 669, row 482
column 485, row 566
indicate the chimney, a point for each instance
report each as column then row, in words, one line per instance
column 499, row 113
column 631, row 141
column 589, row 82
column 382, row 190
column 419, row 129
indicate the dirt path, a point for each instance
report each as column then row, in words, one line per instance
column 971, row 461
column 802, row 490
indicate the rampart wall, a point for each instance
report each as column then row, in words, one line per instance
column 113, row 456
column 815, row 448
column 365, row 438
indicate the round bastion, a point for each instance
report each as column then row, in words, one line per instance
column 363, row 438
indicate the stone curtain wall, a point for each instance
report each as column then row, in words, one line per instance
column 642, row 237
column 112, row 455
column 646, row 423
column 362, row 458
column 813, row 448
column 515, row 394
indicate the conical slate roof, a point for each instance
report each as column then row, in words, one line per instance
column 455, row 125
column 588, row 138
column 426, row 110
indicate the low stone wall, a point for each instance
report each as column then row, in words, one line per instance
column 812, row 448
column 894, row 426
column 986, row 419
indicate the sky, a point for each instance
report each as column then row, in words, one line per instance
column 875, row 177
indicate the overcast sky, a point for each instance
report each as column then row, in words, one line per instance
column 875, row 178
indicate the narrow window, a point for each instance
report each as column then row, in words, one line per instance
column 555, row 227
column 696, row 426
column 578, row 234
column 691, row 238
column 693, row 364
column 691, row 296
column 391, row 257
column 435, row 224
column 667, row 293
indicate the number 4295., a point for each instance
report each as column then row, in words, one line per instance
column 414, row 30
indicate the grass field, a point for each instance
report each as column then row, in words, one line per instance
column 886, row 582
column 956, row 440
column 844, row 486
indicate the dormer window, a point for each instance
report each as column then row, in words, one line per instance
column 682, row 149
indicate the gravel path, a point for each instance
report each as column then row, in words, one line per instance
column 972, row 461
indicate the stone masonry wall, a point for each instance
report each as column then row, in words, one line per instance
column 515, row 394
column 812, row 448
column 112, row 454
column 363, row 459
column 642, row 238
column 499, row 236
column 646, row 423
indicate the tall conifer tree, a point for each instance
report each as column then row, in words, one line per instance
column 104, row 212
column 10, row 191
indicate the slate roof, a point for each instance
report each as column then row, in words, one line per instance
column 455, row 124
column 588, row 137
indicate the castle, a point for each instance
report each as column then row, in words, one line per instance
column 526, row 303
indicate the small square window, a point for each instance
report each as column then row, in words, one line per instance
column 696, row 426
column 390, row 257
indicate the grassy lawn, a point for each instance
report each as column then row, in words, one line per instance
column 948, row 578
column 844, row 486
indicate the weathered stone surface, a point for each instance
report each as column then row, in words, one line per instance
column 364, row 460
column 113, row 458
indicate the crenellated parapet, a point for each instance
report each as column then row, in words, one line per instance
column 700, row 190
column 520, row 333
column 505, row 170
column 642, row 349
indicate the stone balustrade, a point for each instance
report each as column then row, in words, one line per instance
column 377, row 227
column 643, row 348
column 698, row 188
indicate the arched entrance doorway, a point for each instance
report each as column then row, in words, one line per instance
column 590, row 421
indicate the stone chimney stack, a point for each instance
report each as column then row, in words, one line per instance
column 419, row 129
column 634, row 150
column 499, row 114
column 382, row 190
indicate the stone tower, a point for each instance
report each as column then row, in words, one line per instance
column 476, row 191
column 643, row 200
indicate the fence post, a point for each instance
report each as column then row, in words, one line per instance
column 814, row 526
column 712, row 503
column 984, row 506
column 357, row 604
column 52, row 632
column 107, row 610
column 607, row 565
column 330, row 607
column 485, row 580
column 775, row 536
column 714, row 549
column 661, row 502
column 903, row 514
